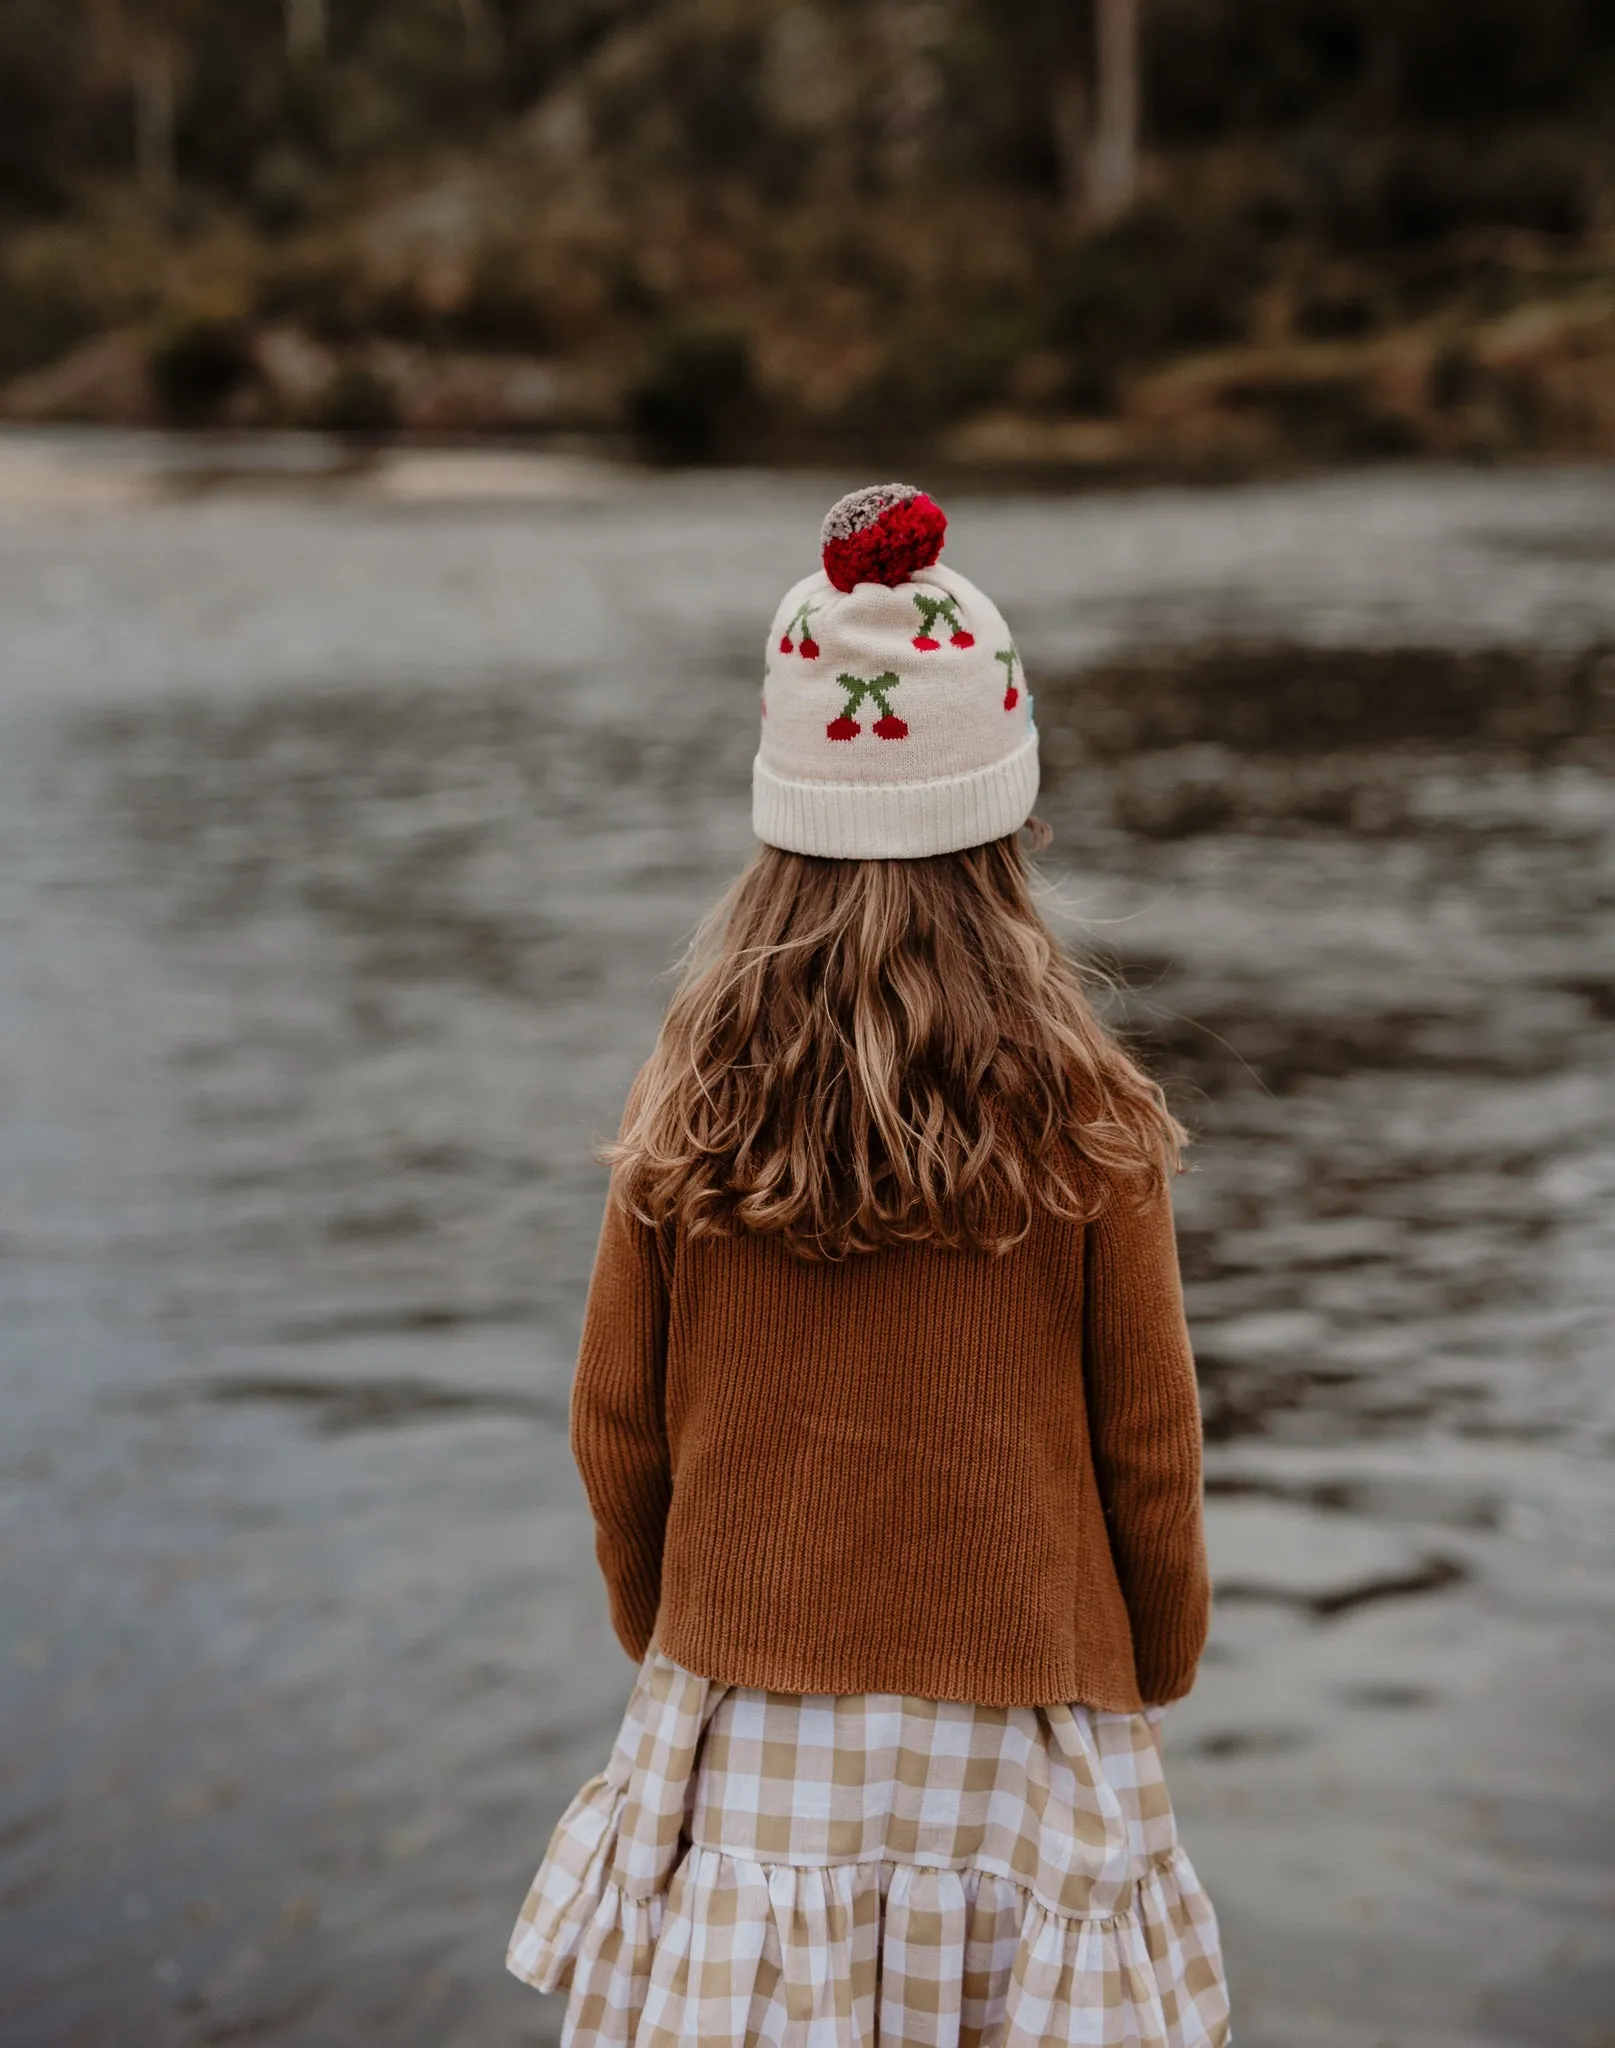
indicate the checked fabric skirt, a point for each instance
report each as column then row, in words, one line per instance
column 868, row 1870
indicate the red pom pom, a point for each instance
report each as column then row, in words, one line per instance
column 882, row 535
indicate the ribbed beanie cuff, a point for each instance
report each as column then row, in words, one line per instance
column 894, row 820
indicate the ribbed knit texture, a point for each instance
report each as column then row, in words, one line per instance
column 954, row 811
column 917, row 1471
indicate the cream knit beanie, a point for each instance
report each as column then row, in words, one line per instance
column 896, row 720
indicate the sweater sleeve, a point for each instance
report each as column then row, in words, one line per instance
column 619, row 1435
column 1144, row 1423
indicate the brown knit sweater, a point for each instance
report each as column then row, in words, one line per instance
column 918, row 1471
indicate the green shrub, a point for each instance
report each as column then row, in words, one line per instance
column 197, row 360
column 1327, row 417
column 1539, row 182
column 282, row 192
column 1337, row 310
column 359, row 404
column 941, row 364
column 1421, row 189
column 1453, row 377
column 1157, row 282
column 1223, row 67
column 692, row 399
column 45, row 305
column 321, row 288
column 506, row 306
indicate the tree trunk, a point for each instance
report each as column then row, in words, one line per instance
column 151, row 77
column 483, row 31
column 109, row 43
column 1113, row 157
column 305, row 30
column 1068, row 122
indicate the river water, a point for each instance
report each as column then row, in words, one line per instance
column 349, row 819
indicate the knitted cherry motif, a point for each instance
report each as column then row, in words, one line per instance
column 1009, row 658
column 887, row 727
column 930, row 610
column 809, row 649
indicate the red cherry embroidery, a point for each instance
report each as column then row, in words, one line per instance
column 1010, row 659
column 888, row 726
column 940, row 607
column 798, row 624
column 810, row 650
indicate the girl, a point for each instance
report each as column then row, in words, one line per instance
column 886, row 1412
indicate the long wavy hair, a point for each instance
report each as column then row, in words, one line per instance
column 878, row 1052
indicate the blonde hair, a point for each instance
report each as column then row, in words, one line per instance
column 878, row 1052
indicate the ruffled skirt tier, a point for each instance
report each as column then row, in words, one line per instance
column 755, row 1868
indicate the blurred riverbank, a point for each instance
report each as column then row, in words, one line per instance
column 1340, row 232
column 348, row 818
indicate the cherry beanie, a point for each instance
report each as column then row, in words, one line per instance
column 896, row 720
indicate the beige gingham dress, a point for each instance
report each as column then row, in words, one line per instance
column 868, row 1870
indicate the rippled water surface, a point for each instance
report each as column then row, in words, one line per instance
column 347, row 826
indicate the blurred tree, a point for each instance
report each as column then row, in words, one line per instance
column 483, row 37
column 1113, row 158
column 1047, row 95
column 1079, row 59
column 150, row 32
column 151, row 72
column 143, row 46
column 1227, row 67
column 1022, row 99
column 1068, row 125
column 306, row 30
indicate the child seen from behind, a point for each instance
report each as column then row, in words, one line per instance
column 886, row 1412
